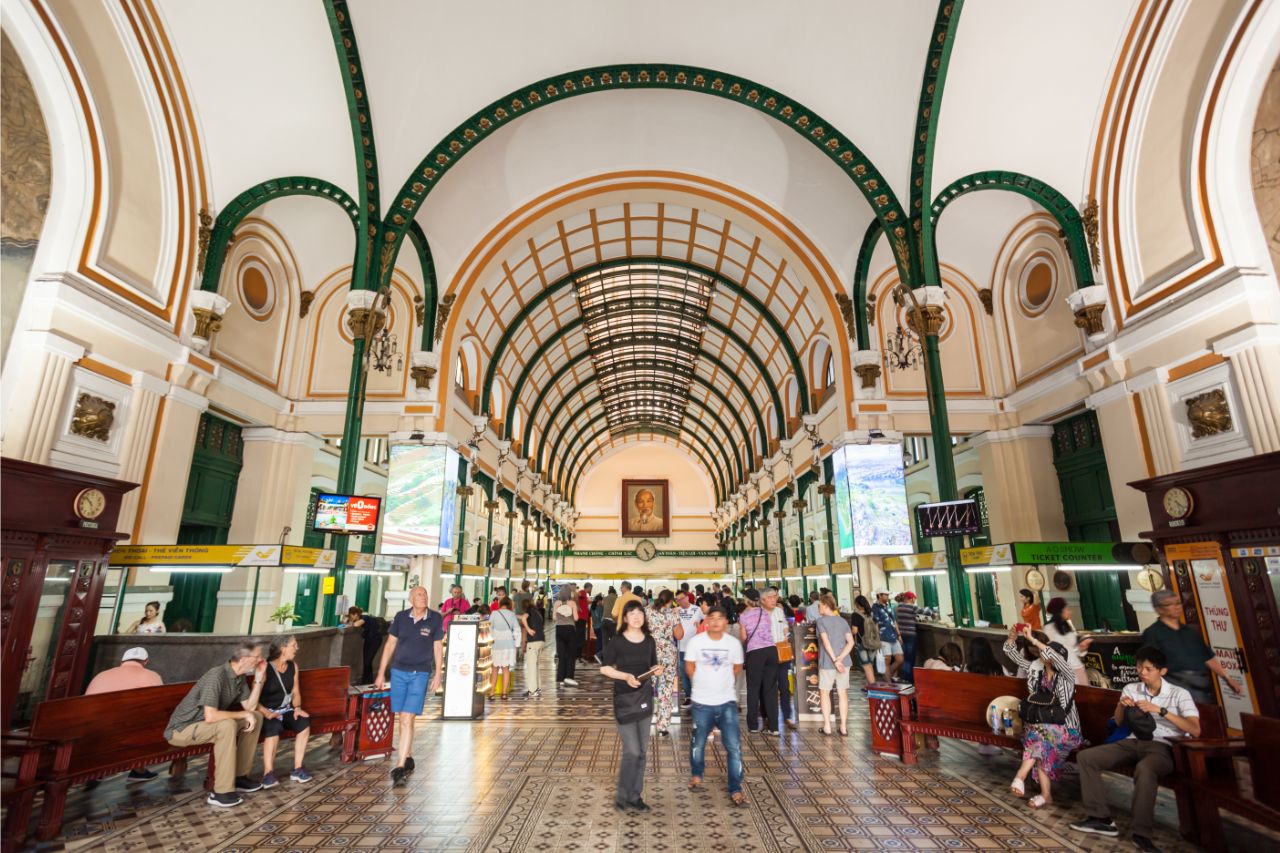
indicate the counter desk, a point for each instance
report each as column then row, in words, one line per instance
column 1110, row 657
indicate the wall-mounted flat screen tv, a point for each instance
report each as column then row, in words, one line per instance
column 350, row 514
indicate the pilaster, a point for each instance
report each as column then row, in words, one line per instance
column 34, row 405
column 1154, row 402
column 1020, row 484
column 148, row 391
column 1254, row 354
column 1123, row 443
column 164, row 483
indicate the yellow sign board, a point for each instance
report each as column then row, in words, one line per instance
column 330, row 585
column 309, row 558
column 915, row 562
column 196, row 555
column 842, row 569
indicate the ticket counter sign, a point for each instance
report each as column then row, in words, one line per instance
column 194, row 556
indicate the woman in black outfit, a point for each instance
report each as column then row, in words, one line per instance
column 281, row 707
column 632, row 653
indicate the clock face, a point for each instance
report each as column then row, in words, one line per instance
column 1178, row 502
column 1034, row 580
column 645, row 550
column 90, row 503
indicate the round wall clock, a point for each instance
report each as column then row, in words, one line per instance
column 89, row 504
column 646, row 550
column 1061, row 581
column 1150, row 579
column 1178, row 502
column 1034, row 579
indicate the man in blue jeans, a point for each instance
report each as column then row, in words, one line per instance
column 713, row 662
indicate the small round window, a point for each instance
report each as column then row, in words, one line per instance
column 257, row 294
column 1039, row 280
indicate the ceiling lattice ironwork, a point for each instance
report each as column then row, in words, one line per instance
column 644, row 325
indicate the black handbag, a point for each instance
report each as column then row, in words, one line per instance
column 1043, row 708
column 630, row 705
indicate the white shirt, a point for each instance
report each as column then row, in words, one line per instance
column 778, row 622
column 1171, row 696
column 713, row 679
column 689, row 619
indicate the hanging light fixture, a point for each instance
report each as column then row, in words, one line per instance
column 903, row 350
column 385, row 352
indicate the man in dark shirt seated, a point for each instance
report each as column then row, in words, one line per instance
column 203, row 717
column 1192, row 664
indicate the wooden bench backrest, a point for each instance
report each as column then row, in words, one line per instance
column 943, row 695
column 128, row 721
column 1262, row 737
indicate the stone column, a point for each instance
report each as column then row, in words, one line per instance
column 1126, row 458
column 1021, row 484
column 272, row 494
column 36, row 394
column 1154, row 402
column 163, row 493
column 1254, row 354
column 135, row 451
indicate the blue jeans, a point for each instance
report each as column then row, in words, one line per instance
column 686, row 686
column 725, row 718
column 908, row 656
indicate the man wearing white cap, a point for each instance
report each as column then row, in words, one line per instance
column 129, row 675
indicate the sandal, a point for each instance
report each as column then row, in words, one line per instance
column 844, row 732
column 695, row 785
column 1018, row 788
column 738, row 799
column 1038, row 801
column 826, row 731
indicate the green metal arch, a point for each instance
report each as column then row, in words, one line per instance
column 736, row 460
column 454, row 146
column 937, row 61
column 585, row 354
column 1058, row 206
column 565, row 281
column 352, row 70
column 242, row 205
column 860, row 273
column 429, row 288
column 713, row 470
column 732, row 461
column 779, row 411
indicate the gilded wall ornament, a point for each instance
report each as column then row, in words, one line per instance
column 846, row 311
column 1089, row 219
column 442, row 313
column 1089, row 318
column 203, row 237
column 868, row 373
column 304, row 303
column 985, row 296
column 419, row 308
column 93, row 417
column 871, row 309
column 1209, row 413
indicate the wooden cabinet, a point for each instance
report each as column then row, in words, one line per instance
column 55, row 564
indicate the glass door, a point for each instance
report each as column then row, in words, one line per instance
column 47, row 628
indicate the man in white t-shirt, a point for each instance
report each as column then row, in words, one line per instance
column 713, row 661
column 690, row 616
column 1151, row 699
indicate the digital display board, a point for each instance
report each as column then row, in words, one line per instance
column 949, row 518
column 421, row 500
column 351, row 514
column 843, row 508
column 879, row 517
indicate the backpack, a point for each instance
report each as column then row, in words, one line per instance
column 870, row 634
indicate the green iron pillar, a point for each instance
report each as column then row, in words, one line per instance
column 943, row 458
column 764, row 533
column 754, row 563
column 780, row 514
column 511, row 516
column 491, row 506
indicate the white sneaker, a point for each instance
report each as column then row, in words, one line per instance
column 571, row 682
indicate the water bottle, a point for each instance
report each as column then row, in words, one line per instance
column 1006, row 722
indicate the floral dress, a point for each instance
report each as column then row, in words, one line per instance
column 1050, row 745
column 662, row 625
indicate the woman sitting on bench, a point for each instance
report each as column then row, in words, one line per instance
column 1051, row 686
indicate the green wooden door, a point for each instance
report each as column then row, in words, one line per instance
column 306, row 596
column 206, row 520
column 1089, row 511
column 988, row 599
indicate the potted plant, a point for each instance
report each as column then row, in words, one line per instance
column 282, row 614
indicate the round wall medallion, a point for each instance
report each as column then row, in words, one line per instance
column 256, row 289
column 1038, row 283
column 1061, row 581
column 1034, row 579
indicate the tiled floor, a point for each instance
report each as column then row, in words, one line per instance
column 538, row 775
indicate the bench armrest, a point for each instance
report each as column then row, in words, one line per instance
column 1213, row 747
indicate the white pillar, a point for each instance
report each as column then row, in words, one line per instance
column 1254, row 354
column 37, row 394
column 135, row 451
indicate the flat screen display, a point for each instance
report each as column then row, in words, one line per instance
column 421, row 500
column 949, row 518
column 878, row 499
column 353, row 514
column 843, row 508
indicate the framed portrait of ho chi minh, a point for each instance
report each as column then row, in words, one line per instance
column 646, row 508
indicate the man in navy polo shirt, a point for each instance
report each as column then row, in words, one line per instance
column 416, row 654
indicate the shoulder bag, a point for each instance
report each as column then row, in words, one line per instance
column 1043, row 708
column 785, row 653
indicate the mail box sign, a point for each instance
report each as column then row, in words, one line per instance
column 351, row 514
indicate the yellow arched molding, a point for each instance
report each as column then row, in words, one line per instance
column 765, row 217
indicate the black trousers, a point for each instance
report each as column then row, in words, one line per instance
column 762, row 687
column 579, row 637
column 370, row 653
column 566, row 639
column 607, row 629
column 785, row 707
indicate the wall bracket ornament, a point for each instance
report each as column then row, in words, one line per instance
column 425, row 365
column 1209, row 413
column 442, row 314
column 1089, row 220
column 203, row 237
column 866, row 364
column 984, row 295
column 304, row 303
column 1089, row 304
column 208, row 310
column 93, row 417
column 847, row 312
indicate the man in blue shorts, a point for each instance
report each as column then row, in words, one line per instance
column 415, row 652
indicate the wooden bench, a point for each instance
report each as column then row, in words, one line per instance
column 82, row 738
column 1209, row 767
column 953, row 704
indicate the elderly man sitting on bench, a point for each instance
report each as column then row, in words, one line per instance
column 203, row 716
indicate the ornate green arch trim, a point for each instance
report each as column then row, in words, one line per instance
column 585, row 354
column 1058, row 206
column 429, row 288
column 861, row 271
column 555, row 287
column 935, row 79
column 819, row 132
column 242, row 205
